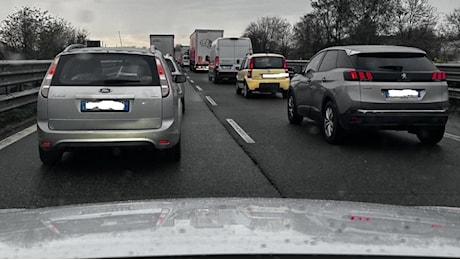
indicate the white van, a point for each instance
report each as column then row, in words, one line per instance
column 226, row 57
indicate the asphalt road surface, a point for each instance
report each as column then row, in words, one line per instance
column 274, row 159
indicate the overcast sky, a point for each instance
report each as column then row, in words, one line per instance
column 137, row 19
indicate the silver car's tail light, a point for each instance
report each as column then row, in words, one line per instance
column 45, row 87
column 163, row 79
column 439, row 76
column 354, row 75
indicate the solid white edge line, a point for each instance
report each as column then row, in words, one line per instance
column 453, row 137
column 191, row 81
column 211, row 101
column 240, row 131
column 17, row 136
column 199, row 88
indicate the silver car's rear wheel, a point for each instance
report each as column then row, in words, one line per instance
column 431, row 136
column 50, row 157
column 333, row 131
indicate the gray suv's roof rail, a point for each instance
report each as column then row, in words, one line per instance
column 74, row 46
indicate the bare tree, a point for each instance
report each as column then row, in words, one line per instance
column 271, row 34
column 37, row 35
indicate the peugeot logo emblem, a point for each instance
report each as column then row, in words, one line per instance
column 105, row 90
column 403, row 76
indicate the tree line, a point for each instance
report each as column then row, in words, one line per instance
column 31, row 33
column 345, row 22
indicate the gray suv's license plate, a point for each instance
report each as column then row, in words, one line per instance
column 402, row 93
column 104, row 106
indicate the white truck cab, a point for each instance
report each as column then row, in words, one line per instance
column 226, row 56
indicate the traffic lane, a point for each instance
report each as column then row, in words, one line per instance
column 201, row 79
column 212, row 165
column 384, row 167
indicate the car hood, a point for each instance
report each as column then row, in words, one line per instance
column 229, row 226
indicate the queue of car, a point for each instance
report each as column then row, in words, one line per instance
column 112, row 97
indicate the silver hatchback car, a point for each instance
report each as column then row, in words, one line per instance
column 108, row 97
column 371, row 86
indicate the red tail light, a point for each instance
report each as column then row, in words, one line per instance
column 163, row 79
column 285, row 67
column 439, row 76
column 217, row 60
column 45, row 87
column 354, row 75
column 251, row 67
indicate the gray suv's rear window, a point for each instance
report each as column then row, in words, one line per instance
column 106, row 69
column 393, row 62
column 268, row 63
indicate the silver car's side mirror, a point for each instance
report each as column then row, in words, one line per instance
column 180, row 79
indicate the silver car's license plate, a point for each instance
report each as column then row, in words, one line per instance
column 104, row 106
column 402, row 93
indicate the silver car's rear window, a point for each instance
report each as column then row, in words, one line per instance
column 393, row 62
column 268, row 63
column 106, row 69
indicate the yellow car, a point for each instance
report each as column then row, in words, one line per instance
column 263, row 73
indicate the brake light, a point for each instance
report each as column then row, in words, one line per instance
column 354, row 75
column 439, row 76
column 45, row 87
column 163, row 79
column 217, row 60
column 285, row 67
column 251, row 67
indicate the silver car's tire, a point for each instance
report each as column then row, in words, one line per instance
column 332, row 130
column 293, row 117
column 174, row 153
column 51, row 157
column 432, row 135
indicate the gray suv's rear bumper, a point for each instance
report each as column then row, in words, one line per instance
column 394, row 119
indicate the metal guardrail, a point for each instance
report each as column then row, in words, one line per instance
column 19, row 80
column 20, row 75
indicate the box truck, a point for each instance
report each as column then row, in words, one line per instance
column 163, row 42
column 200, row 47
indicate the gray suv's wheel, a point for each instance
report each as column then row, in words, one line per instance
column 51, row 157
column 332, row 130
column 293, row 117
column 432, row 135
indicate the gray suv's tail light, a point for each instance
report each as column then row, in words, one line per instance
column 353, row 75
column 163, row 79
column 44, row 89
column 439, row 76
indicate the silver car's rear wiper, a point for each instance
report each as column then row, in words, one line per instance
column 119, row 81
column 392, row 67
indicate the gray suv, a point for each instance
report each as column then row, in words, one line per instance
column 108, row 97
column 371, row 86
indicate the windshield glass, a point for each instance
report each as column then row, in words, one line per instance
column 105, row 69
column 394, row 61
column 216, row 127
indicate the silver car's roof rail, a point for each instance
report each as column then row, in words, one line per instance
column 74, row 46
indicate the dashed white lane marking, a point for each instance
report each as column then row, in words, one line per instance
column 17, row 136
column 211, row 101
column 453, row 137
column 240, row 131
column 188, row 77
column 198, row 87
column 191, row 81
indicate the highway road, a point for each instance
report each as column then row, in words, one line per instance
column 273, row 159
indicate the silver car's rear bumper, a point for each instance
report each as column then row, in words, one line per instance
column 170, row 131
